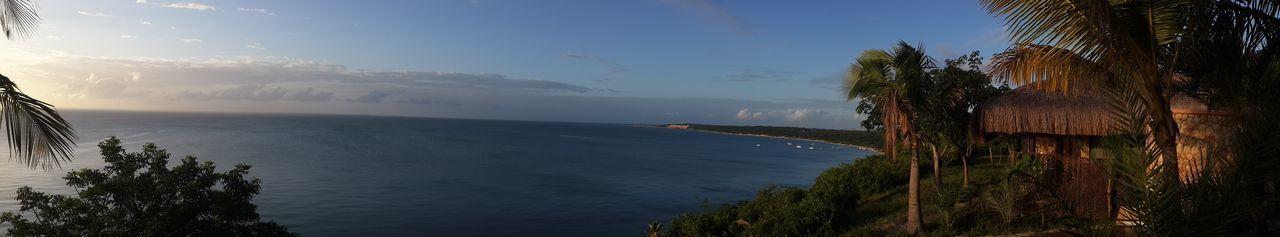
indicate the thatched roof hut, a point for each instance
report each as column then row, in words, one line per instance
column 1081, row 112
column 1064, row 127
column 1029, row 110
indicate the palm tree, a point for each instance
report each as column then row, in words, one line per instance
column 1141, row 49
column 655, row 228
column 892, row 81
column 37, row 134
column 1141, row 44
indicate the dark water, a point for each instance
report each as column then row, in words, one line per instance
column 384, row 176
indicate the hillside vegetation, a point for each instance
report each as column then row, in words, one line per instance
column 866, row 139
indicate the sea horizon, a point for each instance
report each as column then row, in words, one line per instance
column 633, row 174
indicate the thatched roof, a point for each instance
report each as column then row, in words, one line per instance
column 1029, row 110
column 1082, row 112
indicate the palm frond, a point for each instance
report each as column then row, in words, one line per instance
column 1060, row 69
column 18, row 17
column 37, row 134
column 1158, row 201
column 1080, row 26
column 887, row 78
column 869, row 75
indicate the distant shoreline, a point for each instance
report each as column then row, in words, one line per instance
column 692, row 128
column 792, row 138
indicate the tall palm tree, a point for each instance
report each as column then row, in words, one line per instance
column 37, row 134
column 892, row 81
column 1141, row 44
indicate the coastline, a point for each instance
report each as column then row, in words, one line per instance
column 864, row 148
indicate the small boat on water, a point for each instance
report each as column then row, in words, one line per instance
column 798, row 147
column 757, row 145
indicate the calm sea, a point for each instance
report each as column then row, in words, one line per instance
column 389, row 176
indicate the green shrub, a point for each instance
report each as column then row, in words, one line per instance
column 876, row 174
column 838, row 188
column 138, row 194
column 711, row 222
column 780, row 211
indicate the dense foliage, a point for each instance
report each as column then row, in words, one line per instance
column 137, row 194
column 847, row 137
column 781, row 211
column 1224, row 53
column 875, row 174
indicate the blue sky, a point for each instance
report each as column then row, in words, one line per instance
column 623, row 61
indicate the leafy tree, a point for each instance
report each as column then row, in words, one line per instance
column 876, row 174
column 954, row 91
column 895, row 83
column 137, row 194
column 37, row 134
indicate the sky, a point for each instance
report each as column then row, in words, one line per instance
column 743, row 62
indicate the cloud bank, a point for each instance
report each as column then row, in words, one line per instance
column 289, row 85
column 257, row 10
column 191, row 6
column 94, row 14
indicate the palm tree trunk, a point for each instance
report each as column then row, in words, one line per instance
column 914, row 223
column 937, row 167
column 964, row 159
column 1166, row 137
column 1163, row 128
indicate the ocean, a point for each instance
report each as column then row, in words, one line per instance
column 394, row 176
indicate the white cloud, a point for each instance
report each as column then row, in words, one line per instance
column 129, row 36
column 799, row 115
column 255, row 45
column 146, row 22
column 142, row 1
column 54, row 37
column 290, row 85
column 199, row 75
column 191, row 40
column 258, row 93
column 257, row 10
column 191, row 6
column 97, row 87
column 746, row 114
column 789, row 115
column 376, row 96
column 94, row 14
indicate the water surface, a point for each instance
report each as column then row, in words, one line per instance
column 390, row 176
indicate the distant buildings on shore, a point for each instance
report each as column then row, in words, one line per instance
column 678, row 126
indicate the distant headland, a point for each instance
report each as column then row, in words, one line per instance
column 865, row 140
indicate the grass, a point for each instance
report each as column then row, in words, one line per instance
column 884, row 213
column 795, row 211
